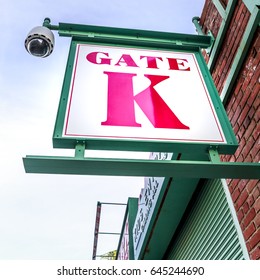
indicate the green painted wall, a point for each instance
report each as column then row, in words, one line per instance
column 208, row 232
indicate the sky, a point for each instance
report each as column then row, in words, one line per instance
column 52, row 217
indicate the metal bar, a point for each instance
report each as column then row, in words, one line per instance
column 105, row 257
column 250, row 4
column 98, row 214
column 80, row 150
column 97, row 223
column 110, row 203
column 195, row 21
column 47, row 23
column 69, row 30
column 112, row 233
column 241, row 53
column 127, row 35
column 220, row 8
column 221, row 33
column 214, row 156
column 143, row 168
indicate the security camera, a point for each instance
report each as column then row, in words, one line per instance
column 40, row 41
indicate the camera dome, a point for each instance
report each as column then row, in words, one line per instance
column 40, row 42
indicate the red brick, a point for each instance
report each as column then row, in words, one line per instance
column 233, row 184
column 242, row 198
column 255, row 239
column 249, row 144
column 257, row 205
column 257, row 221
column 240, row 215
column 256, row 194
column 243, row 227
column 245, row 207
column 242, row 184
column 255, row 254
column 249, row 217
column 249, row 231
column 242, row 144
column 252, row 184
column 239, row 12
column 250, row 200
column 252, row 98
column 248, row 158
column 237, row 113
column 245, row 84
column 243, row 111
column 227, row 180
column 238, row 86
column 243, row 114
column 240, row 158
column 252, row 112
column 240, row 133
column 232, row 159
column 254, row 82
column 235, row 195
column 256, row 134
column 255, row 153
column 248, row 247
column 249, row 123
column 236, row 128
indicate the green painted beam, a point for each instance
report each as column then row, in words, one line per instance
column 198, row 27
column 129, row 36
column 241, row 53
column 250, row 4
column 143, row 168
column 220, row 8
column 226, row 18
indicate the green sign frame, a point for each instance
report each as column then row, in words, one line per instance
column 151, row 41
column 195, row 160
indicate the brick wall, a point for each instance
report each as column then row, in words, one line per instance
column 243, row 111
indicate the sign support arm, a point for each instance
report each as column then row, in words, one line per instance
column 144, row 168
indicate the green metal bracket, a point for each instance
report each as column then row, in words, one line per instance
column 214, row 156
column 251, row 5
column 227, row 15
column 143, row 168
column 241, row 54
column 128, row 36
column 220, row 8
column 80, row 150
column 81, row 165
column 195, row 21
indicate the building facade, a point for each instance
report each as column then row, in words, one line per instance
column 214, row 218
column 234, row 62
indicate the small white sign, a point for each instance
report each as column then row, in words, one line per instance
column 147, row 201
column 131, row 93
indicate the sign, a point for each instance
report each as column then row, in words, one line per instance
column 146, row 205
column 142, row 94
column 136, row 94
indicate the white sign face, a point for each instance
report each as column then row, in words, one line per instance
column 146, row 205
column 128, row 93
